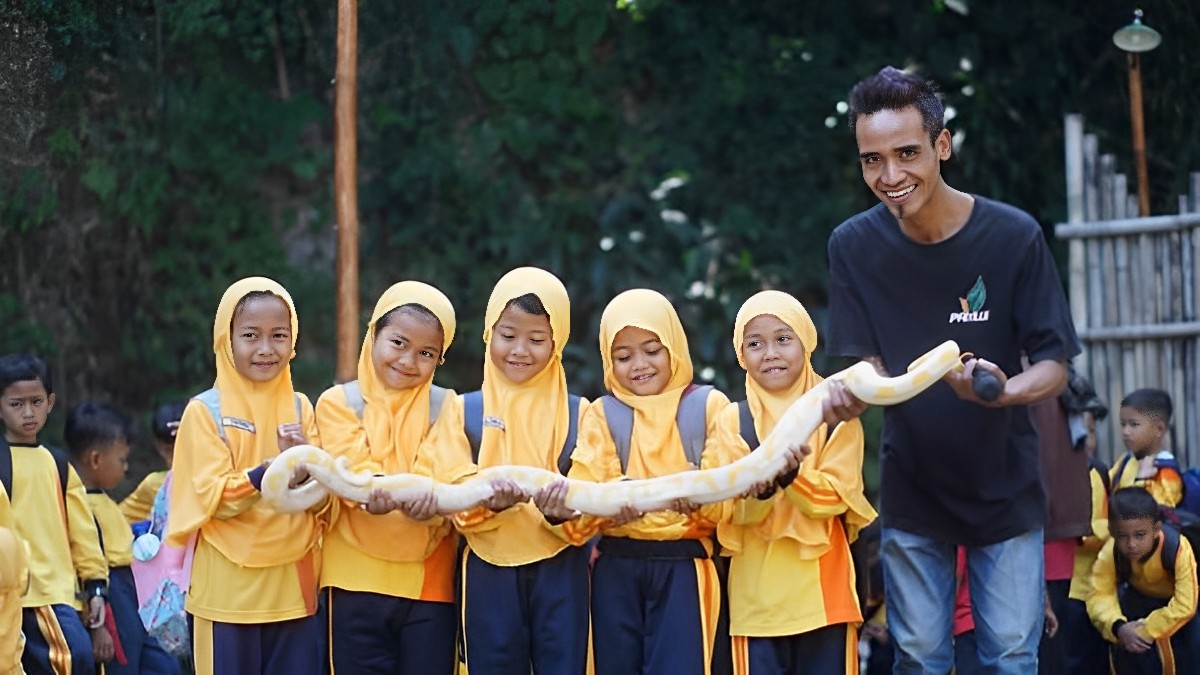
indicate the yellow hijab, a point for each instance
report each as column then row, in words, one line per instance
column 265, row 404
column 656, row 448
column 844, row 471
column 395, row 420
column 768, row 406
column 535, row 413
column 260, row 536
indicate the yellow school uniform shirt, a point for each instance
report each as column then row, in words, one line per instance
column 392, row 554
column 252, row 564
column 1088, row 548
column 14, row 576
column 532, row 423
column 137, row 505
column 1150, row 579
column 117, row 537
column 790, row 569
column 63, row 546
column 1163, row 482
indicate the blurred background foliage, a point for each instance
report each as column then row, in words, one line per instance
column 153, row 151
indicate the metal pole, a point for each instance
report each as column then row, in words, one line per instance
column 1139, row 133
column 345, row 188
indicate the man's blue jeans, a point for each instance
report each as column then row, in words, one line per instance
column 1008, row 589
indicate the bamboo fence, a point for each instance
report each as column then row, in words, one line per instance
column 1133, row 291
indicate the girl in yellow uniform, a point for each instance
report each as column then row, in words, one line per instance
column 253, row 586
column 655, row 593
column 793, row 606
column 525, row 583
column 388, row 567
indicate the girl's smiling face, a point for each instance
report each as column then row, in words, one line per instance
column 522, row 344
column 641, row 363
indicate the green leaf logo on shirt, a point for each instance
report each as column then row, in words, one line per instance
column 975, row 298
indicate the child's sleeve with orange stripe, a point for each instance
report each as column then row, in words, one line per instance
column 830, row 479
column 1180, row 609
column 1103, row 607
column 206, row 483
column 1168, row 487
column 1094, row 541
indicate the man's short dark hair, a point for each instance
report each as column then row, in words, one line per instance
column 24, row 368
column 893, row 89
column 1154, row 403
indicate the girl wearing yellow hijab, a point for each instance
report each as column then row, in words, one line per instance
column 525, row 585
column 254, row 576
column 793, row 607
column 655, row 596
column 388, row 567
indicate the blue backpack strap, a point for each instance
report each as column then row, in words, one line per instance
column 354, row 398
column 746, row 425
column 1165, row 459
column 212, row 400
column 6, row 467
column 564, row 457
column 473, row 421
column 1116, row 477
column 691, row 419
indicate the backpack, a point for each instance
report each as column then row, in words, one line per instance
column 691, row 419
column 354, row 399
column 473, row 426
column 211, row 399
column 1191, row 490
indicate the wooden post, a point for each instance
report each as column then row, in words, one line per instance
column 345, row 188
column 1139, row 133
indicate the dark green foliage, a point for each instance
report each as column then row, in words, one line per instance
column 155, row 151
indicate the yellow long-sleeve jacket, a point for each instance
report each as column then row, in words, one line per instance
column 1088, row 548
column 1150, row 579
column 14, row 578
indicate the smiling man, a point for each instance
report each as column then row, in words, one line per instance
column 931, row 263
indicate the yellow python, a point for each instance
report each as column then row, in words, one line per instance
column 607, row 499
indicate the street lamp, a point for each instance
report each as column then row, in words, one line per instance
column 1135, row 39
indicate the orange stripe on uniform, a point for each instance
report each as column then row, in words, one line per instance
column 329, row 627
column 837, row 579
column 707, row 587
column 806, row 489
column 741, row 655
column 1166, row 654
column 438, row 582
column 60, row 651
column 239, row 492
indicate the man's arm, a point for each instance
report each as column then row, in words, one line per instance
column 1042, row 380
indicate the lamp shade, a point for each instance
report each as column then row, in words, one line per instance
column 1137, row 37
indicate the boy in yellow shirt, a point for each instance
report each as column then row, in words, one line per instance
column 1144, row 590
column 51, row 515
column 97, row 437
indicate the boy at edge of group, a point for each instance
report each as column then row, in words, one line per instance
column 388, row 567
column 254, row 574
column 1087, row 650
column 793, row 604
column 1144, row 590
column 524, row 574
column 64, row 545
column 1145, row 415
column 97, row 438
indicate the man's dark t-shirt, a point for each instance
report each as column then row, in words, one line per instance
column 952, row 470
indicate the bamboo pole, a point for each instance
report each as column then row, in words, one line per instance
column 1077, row 249
column 345, row 148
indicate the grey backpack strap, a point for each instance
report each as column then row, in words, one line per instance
column 746, row 425
column 299, row 410
column 437, row 395
column 620, row 426
column 473, row 421
column 354, row 397
column 212, row 400
column 692, row 421
column 568, row 448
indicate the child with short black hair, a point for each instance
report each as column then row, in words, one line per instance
column 1144, row 590
column 51, row 514
column 253, row 586
column 164, row 426
column 1145, row 417
column 98, row 437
